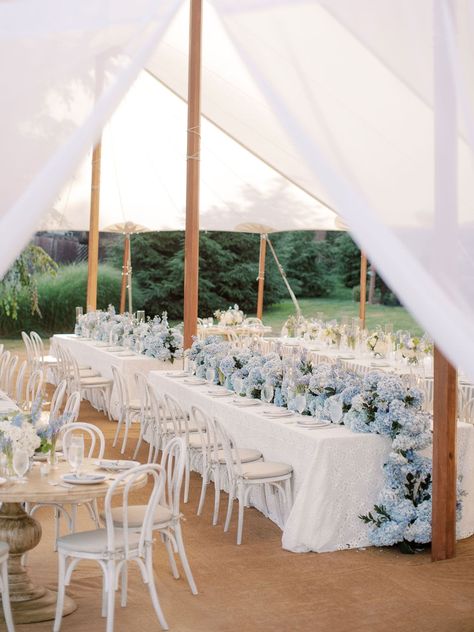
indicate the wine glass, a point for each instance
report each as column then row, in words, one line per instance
column 238, row 384
column 300, row 403
column 267, row 393
column 75, row 453
column 21, row 463
column 210, row 375
column 335, row 410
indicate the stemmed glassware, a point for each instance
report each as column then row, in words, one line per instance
column 210, row 375
column 267, row 393
column 75, row 453
column 300, row 402
column 238, row 385
column 21, row 463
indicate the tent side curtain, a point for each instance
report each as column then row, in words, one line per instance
column 333, row 108
column 64, row 66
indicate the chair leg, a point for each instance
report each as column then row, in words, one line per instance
column 61, row 592
column 110, row 596
column 7, row 611
column 205, row 483
column 230, row 505
column 73, row 518
column 184, row 558
column 187, row 471
column 152, row 588
column 123, row 600
column 117, row 432
column 104, row 593
column 128, row 421
column 240, row 524
column 139, row 443
column 169, row 548
column 217, row 495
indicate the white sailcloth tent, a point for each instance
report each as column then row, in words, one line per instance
column 143, row 171
column 367, row 106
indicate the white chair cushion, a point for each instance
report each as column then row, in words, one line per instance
column 191, row 426
column 49, row 359
column 95, row 541
column 88, row 382
column 265, row 469
column 135, row 404
column 247, row 455
column 136, row 514
column 88, row 373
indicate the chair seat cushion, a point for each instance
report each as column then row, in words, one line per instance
column 88, row 373
column 265, row 469
column 136, row 514
column 135, row 404
column 247, row 455
column 95, row 541
column 95, row 381
column 49, row 359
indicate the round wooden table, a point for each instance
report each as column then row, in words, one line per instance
column 32, row 603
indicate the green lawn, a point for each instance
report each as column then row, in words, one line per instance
column 338, row 307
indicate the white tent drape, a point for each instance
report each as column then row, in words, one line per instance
column 64, row 64
column 143, row 172
column 346, row 91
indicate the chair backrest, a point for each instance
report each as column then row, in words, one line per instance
column 71, row 369
column 121, row 388
column 173, row 462
column 34, row 387
column 143, row 394
column 38, row 345
column 10, row 375
column 4, row 360
column 123, row 485
column 231, row 454
column 30, row 353
column 2, row 347
column 93, row 433
column 178, row 417
column 207, row 434
column 158, row 424
column 57, row 400
column 72, row 407
column 20, row 384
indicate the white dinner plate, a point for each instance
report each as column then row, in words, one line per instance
column 176, row 374
column 125, row 354
column 113, row 349
column 194, row 381
column 313, row 424
column 276, row 414
column 112, row 465
column 244, row 402
column 84, row 479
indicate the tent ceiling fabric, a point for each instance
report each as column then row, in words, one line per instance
column 64, row 68
column 143, row 175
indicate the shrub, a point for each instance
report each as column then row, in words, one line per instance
column 58, row 297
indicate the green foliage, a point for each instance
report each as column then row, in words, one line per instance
column 308, row 263
column 347, row 260
column 228, row 272
column 21, row 278
column 59, row 296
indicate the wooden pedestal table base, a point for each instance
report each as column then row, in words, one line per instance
column 30, row 603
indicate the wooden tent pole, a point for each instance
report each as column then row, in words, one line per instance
column 123, row 289
column 93, row 251
column 443, row 541
column 191, row 244
column 261, row 275
column 443, row 537
column 363, row 289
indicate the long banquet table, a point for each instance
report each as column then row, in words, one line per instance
column 337, row 473
column 88, row 353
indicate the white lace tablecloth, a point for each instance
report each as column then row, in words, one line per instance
column 337, row 473
column 87, row 353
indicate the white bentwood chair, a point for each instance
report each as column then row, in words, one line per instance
column 4, row 588
column 129, row 409
column 112, row 548
column 213, row 465
column 243, row 477
column 167, row 516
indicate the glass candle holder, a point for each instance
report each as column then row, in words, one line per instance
column 79, row 312
column 141, row 315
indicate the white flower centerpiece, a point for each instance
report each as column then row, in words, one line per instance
column 231, row 317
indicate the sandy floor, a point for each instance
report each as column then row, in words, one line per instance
column 260, row 587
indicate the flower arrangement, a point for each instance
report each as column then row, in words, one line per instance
column 378, row 403
column 232, row 317
column 154, row 338
column 412, row 347
column 333, row 332
column 379, row 343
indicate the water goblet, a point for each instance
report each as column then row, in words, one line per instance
column 300, row 403
column 210, row 375
column 238, row 384
column 75, row 453
column 267, row 393
column 21, row 463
